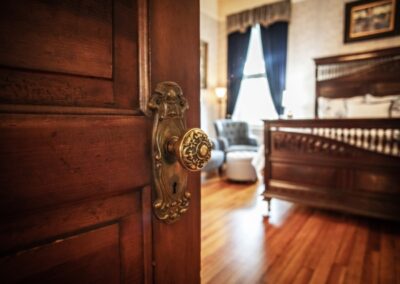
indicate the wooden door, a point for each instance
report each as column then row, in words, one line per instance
column 75, row 141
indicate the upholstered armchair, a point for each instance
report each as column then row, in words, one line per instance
column 217, row 157
column 235, row 135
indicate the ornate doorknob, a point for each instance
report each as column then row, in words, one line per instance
column 175, row 150
column 193, row 149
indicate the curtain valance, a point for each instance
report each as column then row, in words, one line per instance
column 265, row 15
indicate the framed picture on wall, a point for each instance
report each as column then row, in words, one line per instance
column 203, row 64
column 368, row 19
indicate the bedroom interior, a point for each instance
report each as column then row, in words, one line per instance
column 200, row 141
column 325, row 206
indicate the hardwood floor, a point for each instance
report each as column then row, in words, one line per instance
column 294, row 245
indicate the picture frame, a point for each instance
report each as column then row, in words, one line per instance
column 370, row 19
column 203, row 64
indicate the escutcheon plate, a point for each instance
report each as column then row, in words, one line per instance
column 174, row 151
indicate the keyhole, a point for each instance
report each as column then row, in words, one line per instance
column 174, row 187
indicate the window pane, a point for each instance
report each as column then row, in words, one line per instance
column 254, row 102
column 255, row 58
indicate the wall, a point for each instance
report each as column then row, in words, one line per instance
column 210, row 8
column 209, row 26
column 316, row 30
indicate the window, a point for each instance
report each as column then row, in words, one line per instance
column 254, row 102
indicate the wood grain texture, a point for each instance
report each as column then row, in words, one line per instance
column 131, row 247
column 305, row 174
column 61, row 261
column 78, row 40
column 175, row 57
column 75, row 170
column 88, row 156
column 126, row 51
column 24, row 231
column 329, row 173
column 37, row 254
column 147, row 235
column 74, row 53
column 39, row 88
column 294, row 244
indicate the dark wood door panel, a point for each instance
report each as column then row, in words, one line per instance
column 73, row 37
column 75, row 145
column 77, row 259
column 23, row 231
column 39, row 88
column 91, row 242
column 54, row 159
column 71, row 53
column 177, row 256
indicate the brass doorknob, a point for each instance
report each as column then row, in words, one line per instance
column 175, row 151
column 193, row 149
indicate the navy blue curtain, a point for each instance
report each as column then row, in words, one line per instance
column 238, row 43
column 274, row 43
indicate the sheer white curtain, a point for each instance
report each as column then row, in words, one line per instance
column 254, row 102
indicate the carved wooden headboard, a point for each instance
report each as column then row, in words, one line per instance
column 374, row 72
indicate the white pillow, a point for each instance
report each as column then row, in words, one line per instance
column 331, row 108
column 369, row 110
column 355, row 100
column 375, row 99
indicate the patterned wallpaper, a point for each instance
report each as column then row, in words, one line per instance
column 316, row 30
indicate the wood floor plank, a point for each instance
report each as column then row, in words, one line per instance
column 319, row 247
column 397, row 260
column 344, row 253
column 337, row 274
column 294, row 244
column 277, row 241
column 303, row 276
column 387, row 259
column 284, row 270
column 371, row 268
column 321, row 273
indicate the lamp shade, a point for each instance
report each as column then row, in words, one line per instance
column 220, row 92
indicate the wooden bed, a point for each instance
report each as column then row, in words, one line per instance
column 351, row 165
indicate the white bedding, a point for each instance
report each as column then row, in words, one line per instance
column 366, row 106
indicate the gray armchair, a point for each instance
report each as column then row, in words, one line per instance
column 235, row 135
column 217, row 157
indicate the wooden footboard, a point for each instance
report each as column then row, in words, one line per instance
column 351, row 165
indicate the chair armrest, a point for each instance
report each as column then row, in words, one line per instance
column 253, row 141
column 215, row 144
column 223, row 143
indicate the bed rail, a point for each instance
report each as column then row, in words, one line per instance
column 346, row 164
column 377, row 135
